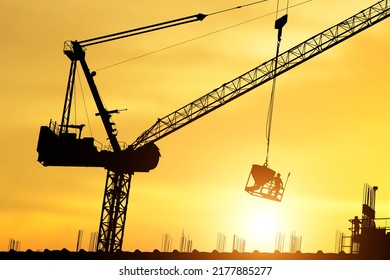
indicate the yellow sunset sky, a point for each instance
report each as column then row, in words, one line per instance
column 330, row 130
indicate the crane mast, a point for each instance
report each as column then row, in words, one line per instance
column 265, row 72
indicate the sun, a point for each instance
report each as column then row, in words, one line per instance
column 261, row 227
column 264, row 222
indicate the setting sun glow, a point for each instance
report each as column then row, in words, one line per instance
column 262, row 227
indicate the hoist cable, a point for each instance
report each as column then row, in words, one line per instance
column 238, row 7
column 271, row 105
column 85, row 105
column 277, row 10
column 279, row 23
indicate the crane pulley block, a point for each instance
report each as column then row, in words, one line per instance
column 281, row 22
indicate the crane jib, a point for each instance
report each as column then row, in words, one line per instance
column 265, row 72
column 142, row 30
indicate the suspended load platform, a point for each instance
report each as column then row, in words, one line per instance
column 265, row 182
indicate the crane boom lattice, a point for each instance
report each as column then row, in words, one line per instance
column 265, row 72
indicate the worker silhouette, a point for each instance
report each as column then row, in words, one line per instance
column 356, row 225
column 278, row 185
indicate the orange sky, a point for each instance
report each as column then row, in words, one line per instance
column 330, row 127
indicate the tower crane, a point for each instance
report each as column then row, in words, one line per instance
column 58, row 147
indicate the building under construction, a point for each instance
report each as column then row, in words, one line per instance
column 370, row 236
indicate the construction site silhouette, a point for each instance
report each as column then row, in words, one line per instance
column 61, row 144
column 64, row 254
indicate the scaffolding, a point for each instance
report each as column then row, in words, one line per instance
column 370, row 236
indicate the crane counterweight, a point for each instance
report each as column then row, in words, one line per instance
column 69, row 150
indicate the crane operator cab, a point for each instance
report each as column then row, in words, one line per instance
column 265, row 182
